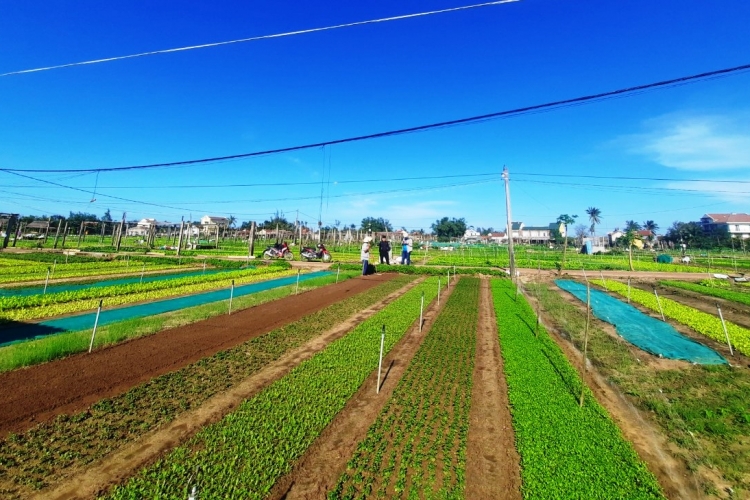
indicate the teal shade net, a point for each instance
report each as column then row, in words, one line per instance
column 67, row 287
column 19, row 332
column 643, row 331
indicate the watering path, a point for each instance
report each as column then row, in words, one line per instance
column 23, row 332
column 643, row 331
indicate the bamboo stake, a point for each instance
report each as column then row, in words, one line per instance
column 96, row 323
column 658, row 301
column 380, row 362
column 726, row 333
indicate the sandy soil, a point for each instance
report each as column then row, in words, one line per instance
column 492, row 461
column 319, row 469
column 29, row 396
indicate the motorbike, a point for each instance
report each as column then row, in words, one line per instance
column 278, row 251
column 321, row 253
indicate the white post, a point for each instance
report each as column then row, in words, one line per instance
column 724, row 325
column 448, row 281
column 601, row 274
column 380, row 362
column 421, row 310
column 143, row 271
column 659, row 303
column 231, row 296
column 46, row 281
column 96, row 323
column 439, row 292
column 628, row 290
column 338, row 271
column 584, row 274
column 296, row 291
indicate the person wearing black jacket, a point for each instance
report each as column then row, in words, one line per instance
column 385, row 247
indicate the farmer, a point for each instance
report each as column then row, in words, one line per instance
column 365, row 254
column 385, row 248
column 406, row 248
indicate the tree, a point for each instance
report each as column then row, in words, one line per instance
column 628, row 239
column 595, row 217
column 379, row 225
column 76, row 219
column 631, row 225
column 107, row 217
column 651, row 226
column 277, row 219
column 565, row 220
column 446, row 228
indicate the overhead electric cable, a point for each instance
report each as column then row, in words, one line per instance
column 256, row 38
column 421, row 128
column 619, row 177
column 100, row 194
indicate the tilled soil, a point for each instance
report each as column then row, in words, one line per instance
column 39, row 393
column 492, row 461
column 93, row 480
column 318, row 470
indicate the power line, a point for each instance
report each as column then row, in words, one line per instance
column 256, row 38
column 617, row 177
column 421, row 128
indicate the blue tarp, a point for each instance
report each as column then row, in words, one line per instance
column 85, row 321
column 641, row 330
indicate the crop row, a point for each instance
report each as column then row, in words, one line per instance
column 701, row 322
column 743, row 297
column 39, row 273
column 567, row 451
column 417, row 445
column 40, row 456
column 244, row 454
column 18, row 301
column 74, row 306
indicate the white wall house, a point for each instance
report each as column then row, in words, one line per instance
column 736, row 224
column 535, row 234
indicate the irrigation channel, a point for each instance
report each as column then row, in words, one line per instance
column 70, row 287
column 643, row 331
column 28, row 331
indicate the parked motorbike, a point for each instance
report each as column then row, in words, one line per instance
column 278, row 251
column 321, row 253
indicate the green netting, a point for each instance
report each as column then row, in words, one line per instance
column 122, row 281
column 641, row 330
column 85, row 321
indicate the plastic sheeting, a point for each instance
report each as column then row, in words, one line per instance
column 643, row 331
column 85, row 321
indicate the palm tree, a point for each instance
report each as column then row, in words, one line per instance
column 631, row 225
column 595, row 217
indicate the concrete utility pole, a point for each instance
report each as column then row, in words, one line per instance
column 511, row 256
column 179, row 240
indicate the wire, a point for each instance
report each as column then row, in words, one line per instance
column 256, row 38
column 633, row 178
column 421, row 128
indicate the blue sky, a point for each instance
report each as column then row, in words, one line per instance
column 347, row 82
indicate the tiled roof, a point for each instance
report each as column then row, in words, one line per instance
column 729, row 218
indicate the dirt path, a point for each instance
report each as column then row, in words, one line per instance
column 492, row 461
column 319, row 469
column 39, row 393
column 90, row 481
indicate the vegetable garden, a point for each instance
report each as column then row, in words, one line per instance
column 303, row 367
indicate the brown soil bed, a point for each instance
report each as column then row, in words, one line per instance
column 492, row 461
column 318, row 470
column 94, row 480
column 32, row 395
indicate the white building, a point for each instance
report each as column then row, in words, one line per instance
column 736, row 224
